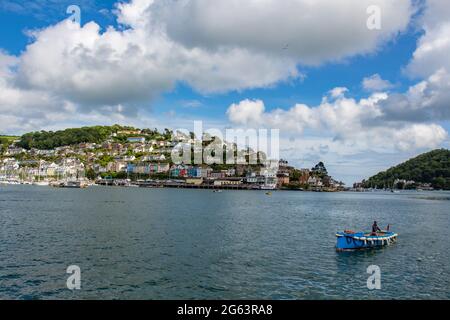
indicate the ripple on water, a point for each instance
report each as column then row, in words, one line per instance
column 164, row 243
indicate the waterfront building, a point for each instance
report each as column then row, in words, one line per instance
column 158, row 168
column 228, row 182
column 252, row 178
column 315, row 182
column 283, row 179
column 194, row 181
column 130, row 167
column 206, row 172
column 163, row 167
column 218, row 174
column 179, row 171
column 194, row 172
column 51, row 170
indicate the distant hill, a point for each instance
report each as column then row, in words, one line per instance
column 431, row 167
column 46, row 140
column 52, row 139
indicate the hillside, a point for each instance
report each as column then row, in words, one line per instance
column 431, row 167
column 5, row 141
column 46, row 140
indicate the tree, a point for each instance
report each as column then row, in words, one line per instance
column 50, row 140
column 90, row 174
column 319, row 170
column 439, row 183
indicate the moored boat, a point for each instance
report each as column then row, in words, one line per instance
column 42, row 183
column 349, row 240
column 70, row 184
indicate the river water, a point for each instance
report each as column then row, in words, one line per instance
column 133, row 243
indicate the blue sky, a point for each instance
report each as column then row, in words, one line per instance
column 235, row 77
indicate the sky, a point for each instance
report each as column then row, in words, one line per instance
column 358, row 84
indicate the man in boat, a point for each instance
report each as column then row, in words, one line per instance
column 375, row 228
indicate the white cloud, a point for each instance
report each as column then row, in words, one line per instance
column 419, row 136
column 360, row 124
column 93, row 68
column 432, row 52
column 338, row 92
column 376, row 83
column 246, row 111
column 7, row 62
column 315, row 31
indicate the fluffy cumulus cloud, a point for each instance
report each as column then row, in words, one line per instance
column 15, row 102
column 433, row 47
column 311, row 31
column 213, row 46
column 430, row 98
column 361, row 124
column 247, row 111
column 93, row 68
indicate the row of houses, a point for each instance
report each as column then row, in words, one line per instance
column 30, row 169
column 135, row 145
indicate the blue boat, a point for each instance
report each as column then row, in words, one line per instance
column 349, row 240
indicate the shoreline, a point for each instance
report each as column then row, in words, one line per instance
column 217, row 188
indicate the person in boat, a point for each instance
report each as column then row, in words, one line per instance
column 375, row 228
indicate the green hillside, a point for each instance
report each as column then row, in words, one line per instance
column 52, row 139
column 431, row 167
column 5, row 141
column 46, row 140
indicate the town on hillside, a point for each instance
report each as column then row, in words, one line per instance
column 125, row 156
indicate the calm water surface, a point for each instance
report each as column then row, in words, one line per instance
column 133, row 243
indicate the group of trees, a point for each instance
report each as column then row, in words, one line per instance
column 319, row 170
column 432, row 167
column 46, row 140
